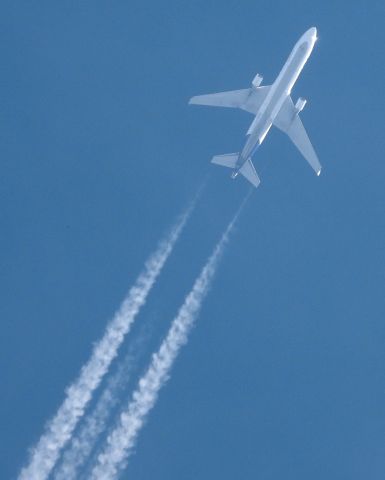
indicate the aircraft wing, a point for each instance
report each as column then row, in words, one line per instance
column 248, row 99
column 289, row 122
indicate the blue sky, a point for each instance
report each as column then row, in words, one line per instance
column 283, row 375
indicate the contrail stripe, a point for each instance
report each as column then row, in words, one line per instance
column 84, row 440
column 60, row 428
column 121, row 440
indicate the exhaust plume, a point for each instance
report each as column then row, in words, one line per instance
column 84, row 440
column 120, row 442
column 59, row 429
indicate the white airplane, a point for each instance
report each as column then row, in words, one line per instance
column 271, row 105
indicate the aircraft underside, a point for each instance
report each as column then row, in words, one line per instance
column 271, row 105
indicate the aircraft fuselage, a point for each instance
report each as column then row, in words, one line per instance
column 276, row 96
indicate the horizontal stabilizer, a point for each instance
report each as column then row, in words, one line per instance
column 228, row 160
column 248, row 171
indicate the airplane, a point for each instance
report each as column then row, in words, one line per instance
column 271, row 105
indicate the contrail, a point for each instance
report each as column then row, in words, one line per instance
column 83, row 442
column 59, row 429
column 122, row 439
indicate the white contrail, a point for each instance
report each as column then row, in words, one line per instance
column 83, row 442
column 122, row 439
column 60, row 428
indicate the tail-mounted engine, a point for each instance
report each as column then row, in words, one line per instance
column 300, row 105
column 257, row 80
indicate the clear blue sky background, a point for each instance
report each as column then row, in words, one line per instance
column 283, row 376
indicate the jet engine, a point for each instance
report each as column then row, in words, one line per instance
column 300, row 105
column 257, row 80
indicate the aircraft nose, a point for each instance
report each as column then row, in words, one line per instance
column 312, row 33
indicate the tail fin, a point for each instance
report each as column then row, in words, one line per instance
column 228, row 160
column 248, row 171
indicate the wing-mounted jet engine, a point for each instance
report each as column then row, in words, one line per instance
column 300, row 105
column 257, row 80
